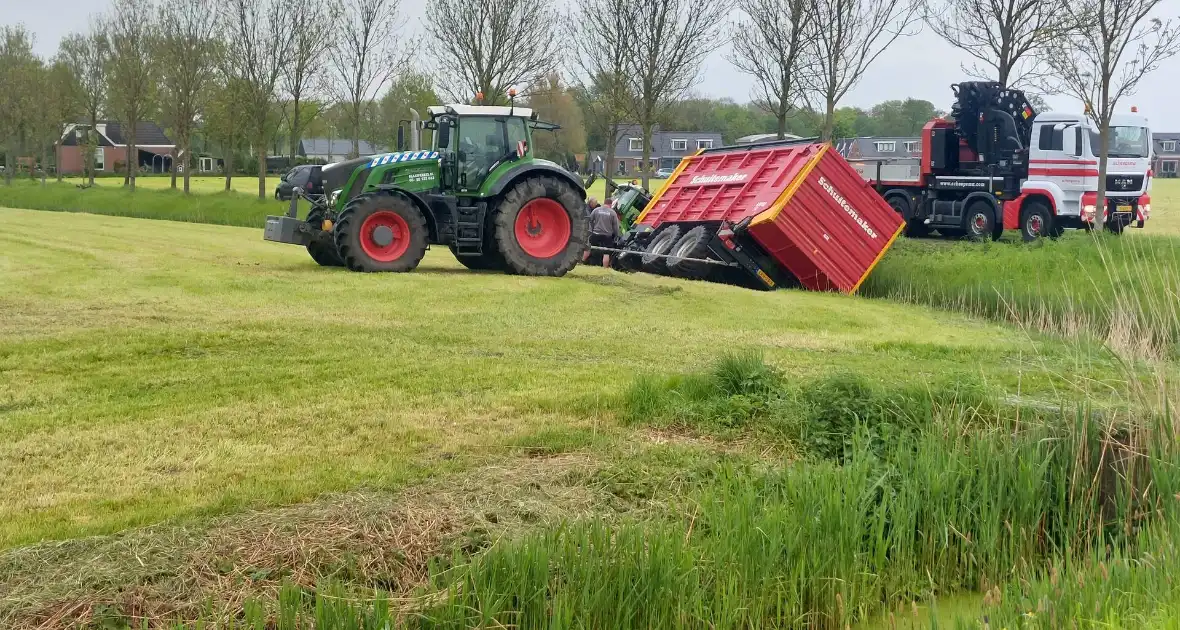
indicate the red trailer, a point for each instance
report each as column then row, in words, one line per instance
column 781, row 213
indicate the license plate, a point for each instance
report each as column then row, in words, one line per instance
column 1122, row 210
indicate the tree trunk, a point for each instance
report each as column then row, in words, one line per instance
column 608, row 167
column 175, row 156
column 356, row 132
column 829, row 120
column 646, row 153
column 781, row 118
column 132, row 160
column 294, row 129
column 229, row 170
column 57, row 160
column 44, row 162
column 91, row 142
column 1100, row 206
column 261, row 169
column 187, row 151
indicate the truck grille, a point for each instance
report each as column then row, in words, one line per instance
column 1124, row 183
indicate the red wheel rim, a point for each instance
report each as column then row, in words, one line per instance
column 372, row 232
column 543, row 228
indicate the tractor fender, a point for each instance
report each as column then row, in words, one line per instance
column 521, row 171
column 431, row 222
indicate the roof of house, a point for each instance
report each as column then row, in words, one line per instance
column 336, row 148
column 765, row 137
column 111, row 134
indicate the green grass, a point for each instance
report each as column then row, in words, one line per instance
column 1121, row 290
column 155, row 370
column 219, row 208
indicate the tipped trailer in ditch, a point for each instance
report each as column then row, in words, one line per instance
column 790, row 213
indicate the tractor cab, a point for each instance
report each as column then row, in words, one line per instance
column 477, row 142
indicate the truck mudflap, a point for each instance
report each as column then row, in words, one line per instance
column 288, row 230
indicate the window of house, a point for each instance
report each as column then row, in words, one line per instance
column 622, row 167
column 1168, row 167
column 206, row 165
column 100, row 159
column 652, row 166
column 635, row 144
column 911, row 147
column 886, row 147
column 705, row 143
column 680, row 145
column 1169, row 146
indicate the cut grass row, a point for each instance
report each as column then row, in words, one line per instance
column 154, row 370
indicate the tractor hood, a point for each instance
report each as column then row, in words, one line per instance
column 336, row 174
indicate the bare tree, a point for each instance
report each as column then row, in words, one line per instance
column 489, row 46
column 225, row 121
column 258, row 42
column 599, row 30
column 1004, row 37
column 669, row 40
column 1115, row 44
column 86, row 56
column 851, row 34
column 187, row 39
column 19, row 72
column 771, row 45
column 59, row 104
column 132, row 77
column 364, row 57
column 314, row 30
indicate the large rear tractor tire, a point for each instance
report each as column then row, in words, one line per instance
column 381, row 232
column 322, row 248
column 694, row 244
column 661, row 244
column 541, row 227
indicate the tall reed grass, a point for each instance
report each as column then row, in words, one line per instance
column 225, row 208
column 1121, row 290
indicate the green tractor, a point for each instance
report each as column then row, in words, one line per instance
column 478, row 190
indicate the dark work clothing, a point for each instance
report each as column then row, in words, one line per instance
column 600, row 240
column 604, row 222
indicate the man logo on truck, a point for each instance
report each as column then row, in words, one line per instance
column 864, row 225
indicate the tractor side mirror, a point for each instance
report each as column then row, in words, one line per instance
column 444, row 135
column 401, row 138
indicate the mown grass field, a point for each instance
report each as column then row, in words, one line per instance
column 183, row 385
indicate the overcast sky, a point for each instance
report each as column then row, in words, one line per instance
column 922, row 66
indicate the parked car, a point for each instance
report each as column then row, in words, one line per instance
column 664, row 173
column 298, row 176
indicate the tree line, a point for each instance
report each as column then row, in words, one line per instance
column 248, row 75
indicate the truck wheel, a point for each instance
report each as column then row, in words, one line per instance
column 981, row 221
column 913, row 228
column 381, row 232
column 322, row 248
column 1036, row 222
column 541, row 228
column 489, row 260
column 660, row 244
column 694, row 244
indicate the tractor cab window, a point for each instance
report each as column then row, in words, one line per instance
column 517, row 134
column 482, row 141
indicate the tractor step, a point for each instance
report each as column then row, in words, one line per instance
column 469, row 229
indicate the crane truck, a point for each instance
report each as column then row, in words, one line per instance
column 999, row 165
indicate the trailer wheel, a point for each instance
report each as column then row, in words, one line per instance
column 322, row 248
column 541, row 228
column 381, row 232
column 694, row 244
column 1036, row 222
column 981, row 221
column 628, row 261
column 660, row 244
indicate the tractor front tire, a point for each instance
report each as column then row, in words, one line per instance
column 541, row 227
column 381, row 232
column 322, row 248
column 694, row 244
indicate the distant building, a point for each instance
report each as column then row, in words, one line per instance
column 334, row 150
column 667, row 149
column 765, row 137
column 153, row 147
column 878, row 147
column 1166, row 148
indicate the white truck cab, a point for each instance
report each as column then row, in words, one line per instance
column 1063, row 166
